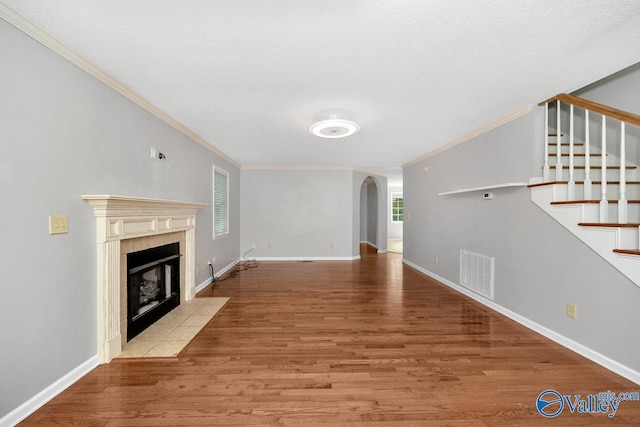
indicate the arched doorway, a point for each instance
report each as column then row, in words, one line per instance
column 369, row 214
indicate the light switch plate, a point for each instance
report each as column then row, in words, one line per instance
column 58, row 224
column 571, row 311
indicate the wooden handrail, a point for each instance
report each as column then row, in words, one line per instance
column 621, row 115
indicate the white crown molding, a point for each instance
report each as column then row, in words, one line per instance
column 594, row 356
column 368, row 172
column 500, row 122
column 314, row 168
column 35, row 32
column 297, row 168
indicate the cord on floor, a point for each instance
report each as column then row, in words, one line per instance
column 239, row 267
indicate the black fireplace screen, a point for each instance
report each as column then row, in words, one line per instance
column 153, row 286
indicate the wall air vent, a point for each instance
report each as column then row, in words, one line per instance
column 477, row 272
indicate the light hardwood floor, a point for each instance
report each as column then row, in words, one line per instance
column 369, row 342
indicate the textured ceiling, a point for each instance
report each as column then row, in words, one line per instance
column 251, row 76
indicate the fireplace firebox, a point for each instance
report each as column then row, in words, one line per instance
column 153, row 286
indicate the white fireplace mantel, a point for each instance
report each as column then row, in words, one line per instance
column 119, row 218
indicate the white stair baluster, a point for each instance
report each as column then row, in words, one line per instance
column 587, row 158
column 558, row 146
column 572, row 183
column 604, row 204
column 545, row 168
column 622, row 202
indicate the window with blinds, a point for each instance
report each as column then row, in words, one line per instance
column 220, row 202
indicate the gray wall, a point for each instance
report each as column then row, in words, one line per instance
column 64, row 134
column 363, row 214
column 619, row 91
column 297, row 213
column 306, row 213
column 372, row 213
column 539, row 265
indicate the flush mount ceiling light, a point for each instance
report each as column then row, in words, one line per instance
column 334, row 127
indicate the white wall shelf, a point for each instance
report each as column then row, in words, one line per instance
column 488, row 187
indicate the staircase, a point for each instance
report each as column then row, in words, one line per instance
column 587, row 183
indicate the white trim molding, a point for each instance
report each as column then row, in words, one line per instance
column 40, row 399
column 314, row 168
column 500, row 122
column 119, row 218
column 594, row 356
column 297, row 168
column 42, row 37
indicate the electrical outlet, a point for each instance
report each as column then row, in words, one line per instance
column 153, row 153
column 198, row 269
column 435, row 259
column 213, row 260
column 253, row 246
column 571, row 310
column 58, row 224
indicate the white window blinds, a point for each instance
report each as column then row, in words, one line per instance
column 220, row 202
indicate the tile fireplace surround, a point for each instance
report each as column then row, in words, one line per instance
column 118, row 220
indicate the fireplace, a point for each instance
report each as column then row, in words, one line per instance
column 153, row 286
column 131, row 224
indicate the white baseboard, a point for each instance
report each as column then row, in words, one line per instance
column 594, row 356
column 311, row 258
column 219, row 273
column 37, row 401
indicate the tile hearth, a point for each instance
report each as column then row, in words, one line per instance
column 169, row 335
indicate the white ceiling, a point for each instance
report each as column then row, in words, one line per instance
column 251, row 76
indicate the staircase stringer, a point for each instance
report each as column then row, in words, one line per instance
column 602, row 240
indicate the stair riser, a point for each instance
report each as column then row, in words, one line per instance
column 628, row 238
column 613, row 192
column 595, row 162
column 592, row 213
column 565, row 140
column 595, row 175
